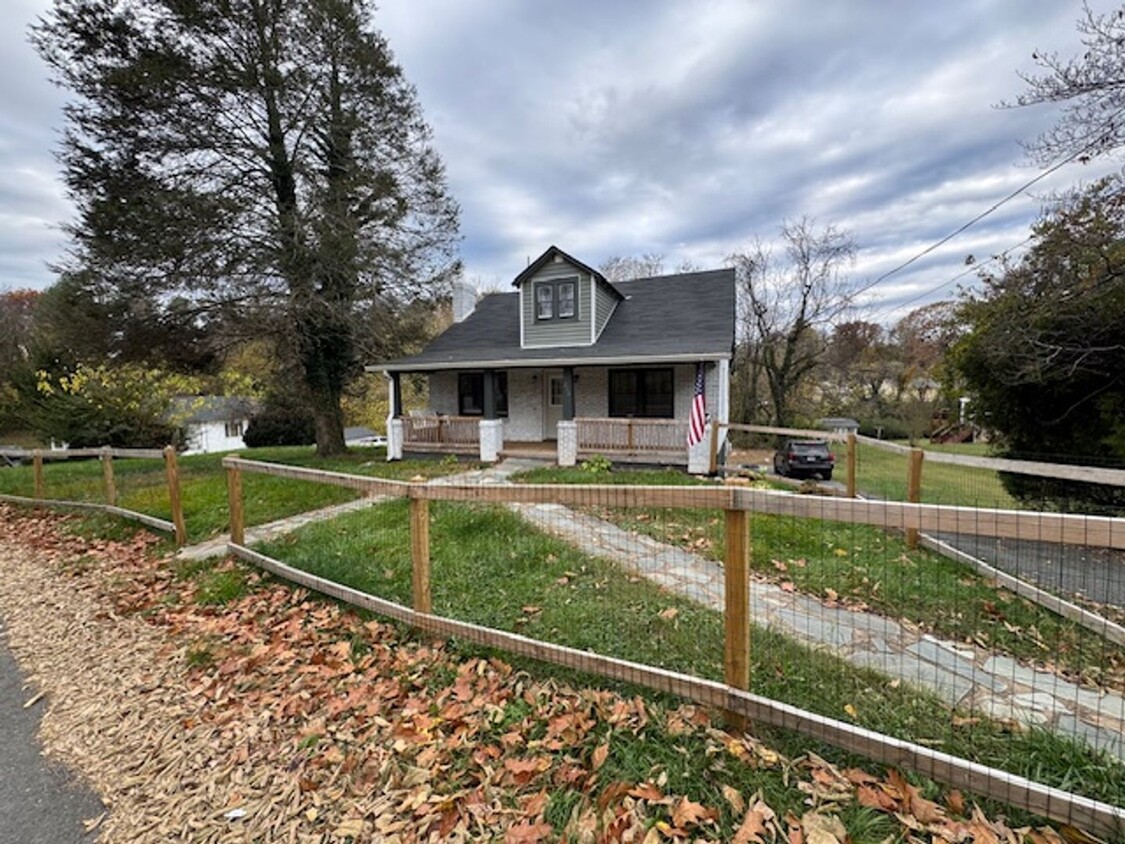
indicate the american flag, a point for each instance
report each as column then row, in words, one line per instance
column 698, row 416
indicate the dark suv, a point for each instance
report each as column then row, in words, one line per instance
column 804, row 458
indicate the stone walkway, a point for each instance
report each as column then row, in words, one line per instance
column 970, row 678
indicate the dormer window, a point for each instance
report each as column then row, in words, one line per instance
column 556, row 299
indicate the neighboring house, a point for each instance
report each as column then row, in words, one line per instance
column 213, row 423
column 574, row 364
column 840, row 425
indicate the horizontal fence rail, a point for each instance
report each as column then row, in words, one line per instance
column 739, row 504
column 106, row 454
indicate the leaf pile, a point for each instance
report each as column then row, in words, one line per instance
column 283, row 717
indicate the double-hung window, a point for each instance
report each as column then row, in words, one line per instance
column 556, row 299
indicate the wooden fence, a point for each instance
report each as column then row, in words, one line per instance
column 733, row 695
column 106, row 454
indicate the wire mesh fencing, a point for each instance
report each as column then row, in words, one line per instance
column 814, row 612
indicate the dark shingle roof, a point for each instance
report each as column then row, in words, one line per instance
column 689, row 316
column 198, row 409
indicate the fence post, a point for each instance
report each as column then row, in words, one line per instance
column 713, row 461
column 234, row 503
column 914, row 490
column 172, row 472
column 736, row 616
column 629, row 434
column 420, row 551
column 37, row 467
column 851, row 464
column 107, row 476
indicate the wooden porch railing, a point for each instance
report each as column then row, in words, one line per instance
column 455, row 431
column 632, row 435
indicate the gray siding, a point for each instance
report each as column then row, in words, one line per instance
column 606, row 303
column 557, row 332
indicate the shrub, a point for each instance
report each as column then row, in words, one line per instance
column 280, row 423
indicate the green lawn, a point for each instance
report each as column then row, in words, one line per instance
column 141, row 484
column 883, row 474
column 490, row 567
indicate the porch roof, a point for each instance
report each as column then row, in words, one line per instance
column 670, row 319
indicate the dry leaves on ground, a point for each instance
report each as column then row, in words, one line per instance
column 283, row 717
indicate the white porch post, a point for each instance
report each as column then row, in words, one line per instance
column 394, row 422
column 567, row 433
column 699, row 455
column 491, row 439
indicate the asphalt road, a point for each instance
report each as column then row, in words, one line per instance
column 40, row 802
column 1097, row 574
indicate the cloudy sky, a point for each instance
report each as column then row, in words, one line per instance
column 680, row 128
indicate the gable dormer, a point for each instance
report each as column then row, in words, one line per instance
column 563, row 302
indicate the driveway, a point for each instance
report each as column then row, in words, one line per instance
column 40, row 802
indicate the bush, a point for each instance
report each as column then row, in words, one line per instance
column 280, row 423
column 885, row 427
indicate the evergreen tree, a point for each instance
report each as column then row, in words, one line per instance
column 264, row 159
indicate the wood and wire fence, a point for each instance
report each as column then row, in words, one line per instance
column 49, row 488
column 800, row 612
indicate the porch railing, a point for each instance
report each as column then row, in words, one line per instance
column 445, row 431
column 644, row 436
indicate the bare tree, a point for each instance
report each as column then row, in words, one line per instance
column 1091, row 89
column 789, row 303
column 625, row 268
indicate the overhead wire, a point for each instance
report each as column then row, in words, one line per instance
column 996, row 205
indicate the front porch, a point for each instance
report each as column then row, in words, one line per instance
column 628, row 413
column 662, row 441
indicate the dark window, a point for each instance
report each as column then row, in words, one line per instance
column 556, row 299
column 644, row 393
column 470, row 393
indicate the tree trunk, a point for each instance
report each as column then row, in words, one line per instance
column 329, row 420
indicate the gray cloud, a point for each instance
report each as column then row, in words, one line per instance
column 684, row 129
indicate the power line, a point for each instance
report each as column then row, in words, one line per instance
column 997, row 205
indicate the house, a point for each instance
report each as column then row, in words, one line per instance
column 842, row 425
column 363, row 437
column 569, row 362
column 212, row 423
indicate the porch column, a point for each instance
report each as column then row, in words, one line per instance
column 489, row 380
column 394, row 416
column 396, row 394
column 491, row 428
column 568, row 393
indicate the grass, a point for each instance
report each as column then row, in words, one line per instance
column 883, row 473
column 491, row 568
column 141, row 485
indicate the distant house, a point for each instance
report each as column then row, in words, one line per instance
column 840, row 425
column 361, row 435
column 213, row 423
column 572, row 365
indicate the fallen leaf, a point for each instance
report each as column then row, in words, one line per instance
column 669, row 613
column 599, row 756
column 734, row 798
column 823, row 829
column 851, row 710
column 689, row 813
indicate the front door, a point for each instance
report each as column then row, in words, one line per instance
column 552, row 403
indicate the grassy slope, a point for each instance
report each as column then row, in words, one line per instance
column 491, row 568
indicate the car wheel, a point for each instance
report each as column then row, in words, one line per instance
column 828, row 475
